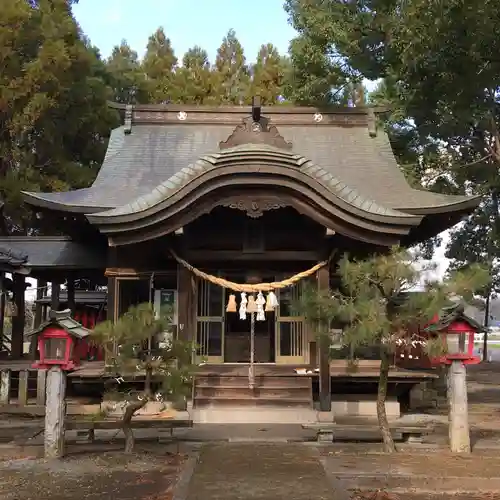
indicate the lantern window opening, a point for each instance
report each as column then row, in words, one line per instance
column 55, row 348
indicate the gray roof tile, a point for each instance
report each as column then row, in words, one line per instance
column 51, row 251
column 152, row 155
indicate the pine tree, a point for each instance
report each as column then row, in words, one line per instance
column 194, row 81
column 133, row 347
column 54, row 119
column 159, row 66
column 441, row 80
column 376, row 306
column 268, row 75
column 127, row 79
column 230, row 71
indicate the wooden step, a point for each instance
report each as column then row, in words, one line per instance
column 260, row 381
column 257, row 392
column 251, row 401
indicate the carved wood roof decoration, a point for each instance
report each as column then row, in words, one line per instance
column 254, row 207
column 256, row 132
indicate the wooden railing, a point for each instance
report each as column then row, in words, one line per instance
column 22, row 391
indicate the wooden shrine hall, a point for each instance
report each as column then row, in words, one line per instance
column 247, row 194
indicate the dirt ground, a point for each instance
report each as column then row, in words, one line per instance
column 111, row 475
column 271, row 471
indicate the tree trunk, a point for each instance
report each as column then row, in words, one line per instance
column 381, row 397
column 127, row 419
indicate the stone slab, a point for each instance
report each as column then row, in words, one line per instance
column 264, row 472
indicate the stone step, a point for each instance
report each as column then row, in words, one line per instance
column 269, row 414
column 207, row 401
column 260, row 381
column 257, row 392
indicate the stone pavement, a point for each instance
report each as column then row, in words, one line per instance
column 426, row 473
column 263, row 472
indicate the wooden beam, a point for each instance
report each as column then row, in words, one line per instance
column 325, row 387
column 235, row 255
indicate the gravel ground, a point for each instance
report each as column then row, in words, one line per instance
column 112, row 475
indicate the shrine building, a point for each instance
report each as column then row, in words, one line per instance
column 246, row 194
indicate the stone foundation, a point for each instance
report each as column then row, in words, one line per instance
column 360, row 405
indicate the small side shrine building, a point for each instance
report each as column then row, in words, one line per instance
column 246, row 194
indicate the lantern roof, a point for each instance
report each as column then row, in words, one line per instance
column 64, row 321
column 452, row 314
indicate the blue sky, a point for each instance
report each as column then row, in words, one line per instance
column 186, row 23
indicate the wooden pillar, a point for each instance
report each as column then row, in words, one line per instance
column 325, row 389
column 2, row 309
column 5, row 383
column 111, row 314
column 184, row 306
column 55, row 295
column 17, row 343
column 112, row 301
column 41, row 289
column 71, row 295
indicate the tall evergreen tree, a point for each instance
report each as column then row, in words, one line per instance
column 53, row 114
column 268, row 75
column 231, row 75
column 194, row 81
column 159, row 65
column 128, row 81
column 441, row 71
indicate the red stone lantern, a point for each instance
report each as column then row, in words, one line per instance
column 457, row 331
column 57, row 341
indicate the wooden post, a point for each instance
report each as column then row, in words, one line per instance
column 41, row 287
column 111, row 305
column 325, row 388
column 17, row 343
column 2, row 310
column 22, row 391
column 55, row 412
column 5, row 387
column 40, row 387
column 112, row 314
column 459, row 418
column 55, row 295
column 184, row 305
column 71, row 296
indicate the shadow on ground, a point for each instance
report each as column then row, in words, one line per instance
column 142, row 476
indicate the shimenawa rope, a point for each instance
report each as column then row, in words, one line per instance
column 254, row 288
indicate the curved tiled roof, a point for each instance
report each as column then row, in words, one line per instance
column 261, row 154
column 136, row 163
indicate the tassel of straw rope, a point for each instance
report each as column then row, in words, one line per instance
column 254, row 288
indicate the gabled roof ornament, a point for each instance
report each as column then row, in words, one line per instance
column 256, row 129
column 128, row 119
column 256, row 109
